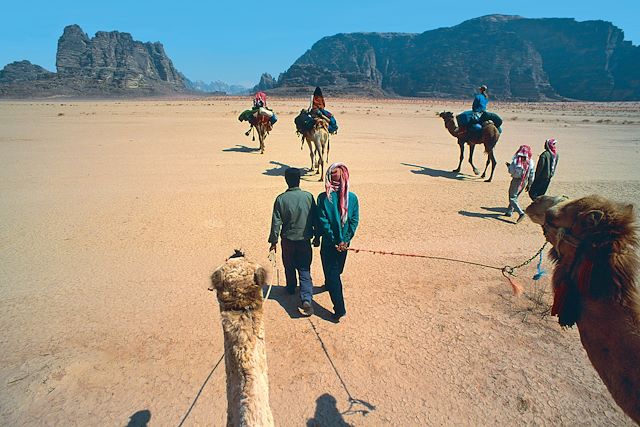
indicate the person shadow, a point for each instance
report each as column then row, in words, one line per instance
column 327, row 413
column 290, row 303
column 496, row 213
column 437, row 173
column 139, row 419
column 241, row 149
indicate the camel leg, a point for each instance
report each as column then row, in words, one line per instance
column 320, row 164
column 472, row 148
column 492, row 158
column 310, row 154
column 486, row 166
column 261, row 137
column 461, row 145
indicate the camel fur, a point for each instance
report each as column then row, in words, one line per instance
column 319, row 137
column 263, row 128
column 488, row 137
column 595, row 249
column 238, row 284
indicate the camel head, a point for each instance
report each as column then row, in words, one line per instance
column 595, row 248
column 446, row 115
column 238, row 283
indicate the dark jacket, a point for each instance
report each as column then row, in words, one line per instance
column 294, row 211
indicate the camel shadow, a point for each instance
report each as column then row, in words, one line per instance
column 277, row 170
column 139, row 419
column 492, row 213
column 437, row 173
column 327, row 413
column 241, row 149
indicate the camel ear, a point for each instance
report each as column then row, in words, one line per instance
column 628, row 210
column 593, row 218
column 216, row 279
column 260, row 276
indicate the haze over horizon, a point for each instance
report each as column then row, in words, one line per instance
column 229, row 43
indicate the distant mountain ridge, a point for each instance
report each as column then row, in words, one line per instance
column 518, row 58
column 217, row 87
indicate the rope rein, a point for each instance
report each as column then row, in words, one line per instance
column 509, row 272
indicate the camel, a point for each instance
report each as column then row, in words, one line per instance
column 238, row 283
column 319, row 136
column 262, row 127
column 595, row 246
column 488, row 137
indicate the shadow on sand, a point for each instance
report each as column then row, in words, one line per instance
column 291, row 302
column 139, row 419
column 437, row 173
column 241, row 149
column 327, row 413
column 277, row 170
column 491, row 213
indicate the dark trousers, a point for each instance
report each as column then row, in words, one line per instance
column 333, row 266
column 296, row 257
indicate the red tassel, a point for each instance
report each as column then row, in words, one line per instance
column 516, row 287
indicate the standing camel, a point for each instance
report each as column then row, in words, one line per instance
column 488, row 137
column 262, row 127
column 595, row 248
column 318, row 139
column 238, row 283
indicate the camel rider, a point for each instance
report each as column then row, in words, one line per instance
column 317, row 100
column 480, row 102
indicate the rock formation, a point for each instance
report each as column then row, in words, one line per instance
column 518, row 58
column 111, row 63
column 266, row 82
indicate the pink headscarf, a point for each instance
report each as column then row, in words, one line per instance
column 550, row 145
column 337, row 179
column 523, row 159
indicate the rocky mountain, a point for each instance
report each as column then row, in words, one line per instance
column 266, row 82
column 110, row 63
column 518, row 58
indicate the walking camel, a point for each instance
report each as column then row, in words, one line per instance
column 238, row 284
column 262, row 127
column 488, row 137
column 318, row 139
column 595, row 286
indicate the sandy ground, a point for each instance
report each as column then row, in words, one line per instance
column 114, row 214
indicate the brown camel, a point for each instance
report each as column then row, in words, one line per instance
column 595, row 286
column 263, row 127
column 319, row 137
column 488, row 137
column 238, row 283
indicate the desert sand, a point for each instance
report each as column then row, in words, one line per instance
column 113, row 214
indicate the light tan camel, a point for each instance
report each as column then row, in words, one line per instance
column 318, row 140
column 238, row 283
column 488, row 137
column 262, row 128
column 595, row 246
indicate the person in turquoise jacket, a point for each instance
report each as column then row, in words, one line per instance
column 338, row 217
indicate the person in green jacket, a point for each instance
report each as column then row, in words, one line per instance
column 545, row 169
column 294, row 218
column 338, row 216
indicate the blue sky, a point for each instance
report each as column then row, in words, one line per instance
column 235, row 41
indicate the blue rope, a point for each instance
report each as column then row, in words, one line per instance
column 539, row 271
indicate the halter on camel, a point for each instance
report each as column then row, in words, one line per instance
column 577, row 279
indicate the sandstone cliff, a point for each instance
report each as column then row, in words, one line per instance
column 111, row 63
column 518, row 58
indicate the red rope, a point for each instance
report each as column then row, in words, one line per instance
column 507, row 271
